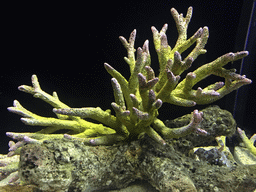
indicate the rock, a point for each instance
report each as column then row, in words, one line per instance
column 62, row 165
column 70, row 166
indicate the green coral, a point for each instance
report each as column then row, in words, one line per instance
column 249, row 143
column 138, row 99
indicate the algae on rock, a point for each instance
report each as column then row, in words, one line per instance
column 68, row 165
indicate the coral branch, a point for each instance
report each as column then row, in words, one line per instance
column 130, row 49
column 215, row 91
column 181, row 24
column 247, row 142
column 200, row 44
column 162, row 48
column 154, row 135
column 123, row 83
column 178, row 65
column 122, row 115
column 30, row 118
column 150, row 73
column 157, row 104
column 182, row 131
column 169, row 85
column 144, row 85
column 188, row 43
column 37, row 92
column 118, row 94
column 102, row 140
column 142, row 60
column 24, row 138
column 9, row 166
column 214, row 66
column 92, row 113
column 140, row 114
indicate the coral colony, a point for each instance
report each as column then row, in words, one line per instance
column 58, row 165
column 138, row 98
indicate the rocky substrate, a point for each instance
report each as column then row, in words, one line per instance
column 70, row 166
column 64, row 165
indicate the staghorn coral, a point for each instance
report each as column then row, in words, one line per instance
column 249, row 143
column 138, row 99
column 9, row 169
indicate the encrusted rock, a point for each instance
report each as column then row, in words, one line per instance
column 62, row 165
column 69, row 165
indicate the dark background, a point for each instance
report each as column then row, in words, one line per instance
column 65, row 45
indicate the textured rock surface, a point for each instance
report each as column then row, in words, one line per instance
column 63, row 164
column 70, row 166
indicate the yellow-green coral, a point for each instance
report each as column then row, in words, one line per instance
column 249, row 143
column 138, row 99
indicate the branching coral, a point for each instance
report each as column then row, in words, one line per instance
column 138, row 99
column 249, row 143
